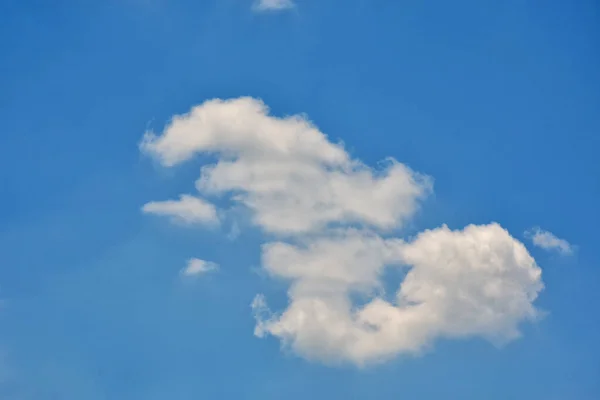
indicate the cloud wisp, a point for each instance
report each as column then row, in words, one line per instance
column 188, row 210
column 548, row 241
column 332, row 217
column 196, row 266
column 272, row 5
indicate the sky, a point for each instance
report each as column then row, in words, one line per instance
column 238, row 199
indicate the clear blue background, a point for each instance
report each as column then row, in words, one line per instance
column 498, row 100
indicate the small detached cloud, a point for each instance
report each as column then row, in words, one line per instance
column 188, row 209
column 548, row 241
column 272, row 5
column 196, row 266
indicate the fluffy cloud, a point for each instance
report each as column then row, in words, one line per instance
column 196, row 266
column 333, row 216
column 548, row 241
column 187, row 209
column 272, row 5
column 292, row 178
column 479, row 281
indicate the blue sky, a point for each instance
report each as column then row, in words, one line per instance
column 497, row 101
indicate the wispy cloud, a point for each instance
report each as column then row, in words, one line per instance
column 188, row 209
column 196, row 266
column 548, row 241
column 272, row 5
column 234, row 232
column 331, row 215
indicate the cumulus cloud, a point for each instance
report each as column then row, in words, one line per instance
column 548, row 241
column 272, row 5
column 334, row 217
column 196, row 266
column 292, row 178
column 479, row 281
column 188, row 209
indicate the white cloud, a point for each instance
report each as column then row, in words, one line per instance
column 548, row 241
column 333, row 215
column 273, row 5
column 475, row 282
column 196, row 266
column 187, row 209
column 285, row 170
